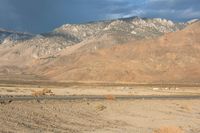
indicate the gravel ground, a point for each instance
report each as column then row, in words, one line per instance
column 110, row 116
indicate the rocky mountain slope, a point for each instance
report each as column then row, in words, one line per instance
column 135, row 26
column 113, row 32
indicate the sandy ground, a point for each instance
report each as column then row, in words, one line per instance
column 103, row 116
column 109, row 116
column 109, row 90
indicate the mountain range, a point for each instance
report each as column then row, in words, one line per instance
column 128, row 50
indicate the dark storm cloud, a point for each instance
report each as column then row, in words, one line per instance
column 44, row 15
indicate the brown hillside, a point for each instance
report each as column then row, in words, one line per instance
column 172, row 58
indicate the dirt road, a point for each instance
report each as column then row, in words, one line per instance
column 101, row 97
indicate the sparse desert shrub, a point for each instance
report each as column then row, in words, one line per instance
column 5, row 101
column 42, row 92
column 100, row 107
column 168, row 130
column 110, row 97
column 38, row 93
column 47, row 90
column 10, row 90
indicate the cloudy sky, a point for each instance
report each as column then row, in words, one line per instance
column 39, row 16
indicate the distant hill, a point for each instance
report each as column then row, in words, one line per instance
column 13, row 36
